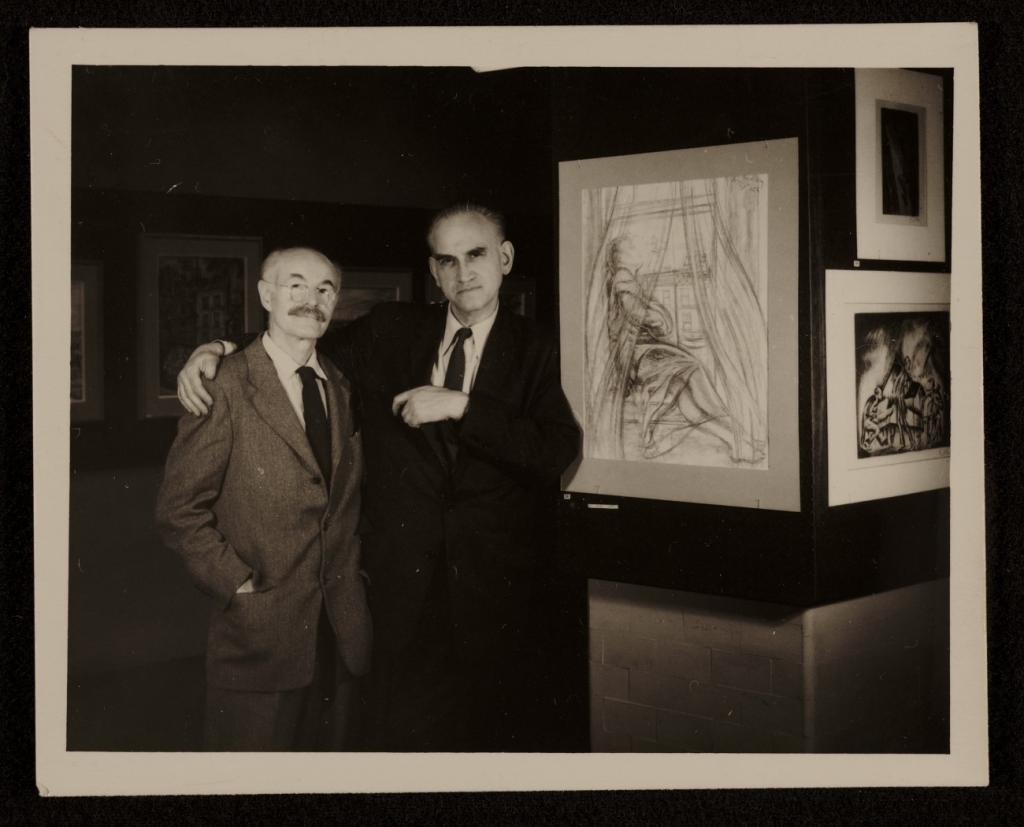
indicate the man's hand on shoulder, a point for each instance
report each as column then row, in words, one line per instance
column 426, row 403
column 203, row 362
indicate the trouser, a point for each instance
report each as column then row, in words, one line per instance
column 433, row 695
column 319, row 717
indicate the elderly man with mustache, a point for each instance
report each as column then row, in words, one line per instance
column 261, row 500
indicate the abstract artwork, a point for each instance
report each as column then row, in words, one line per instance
column 678, row 299
column 902, row 374
column 193, row 289
column 902, row 151
column 888, row 383
column 900, row 165
column 86, row 342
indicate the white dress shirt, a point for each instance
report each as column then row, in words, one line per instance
column 287, row 371
column 473, row 347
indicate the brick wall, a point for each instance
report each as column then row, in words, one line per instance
column 681, row 672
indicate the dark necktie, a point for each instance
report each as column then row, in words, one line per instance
column 317, row 432
column 453, row 378
column 456, row 373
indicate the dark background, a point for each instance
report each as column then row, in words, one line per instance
column 1001, row 166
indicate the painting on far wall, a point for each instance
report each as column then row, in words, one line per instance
column 86, row 341
column 192, row 289
column 678, row 317
column 364, row 287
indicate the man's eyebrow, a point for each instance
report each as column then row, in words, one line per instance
column 477, row 250
column 296, row 276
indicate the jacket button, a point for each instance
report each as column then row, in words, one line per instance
column 315, row 480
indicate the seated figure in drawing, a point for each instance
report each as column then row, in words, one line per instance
column 664, row 378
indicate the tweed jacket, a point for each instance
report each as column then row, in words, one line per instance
column 242, row 496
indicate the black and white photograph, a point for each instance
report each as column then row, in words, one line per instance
column 463, row 411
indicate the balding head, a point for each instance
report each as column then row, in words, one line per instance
column 298, row 288
column 279, row 259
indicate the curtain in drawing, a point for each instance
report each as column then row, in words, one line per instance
column 731, row 310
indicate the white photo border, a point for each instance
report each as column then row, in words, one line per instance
column 52, row 53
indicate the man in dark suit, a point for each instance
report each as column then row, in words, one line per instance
column 261, row 500
column 465, row 424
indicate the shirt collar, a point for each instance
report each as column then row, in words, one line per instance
column 481, row 330
column 285, row 365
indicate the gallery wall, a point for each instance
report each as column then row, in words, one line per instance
column 384, row 136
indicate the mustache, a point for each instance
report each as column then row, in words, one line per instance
column 313, row 312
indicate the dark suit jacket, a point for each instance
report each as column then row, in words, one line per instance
column 517, row 435
column 242, row 494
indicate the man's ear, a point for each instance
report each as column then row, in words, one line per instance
column 266, row 292
column 433, row 270
column 508, row 253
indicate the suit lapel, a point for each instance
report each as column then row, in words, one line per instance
column 339, row 407
column 270, row 401
column 423, row 353
column 497, row 358
column 492, row 376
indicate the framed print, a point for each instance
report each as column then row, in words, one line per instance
column 888, row 383
column 192, row 289
column 679, row 323
column 364, row 287
column 86, row 341
column 900, row 158
column 516, row 294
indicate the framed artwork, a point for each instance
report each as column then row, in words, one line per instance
column 678, row 303
column 364, row 287
column 887, row 383
column 191, row 289
column 516, row 294
column 86, row 341
column 901, row 211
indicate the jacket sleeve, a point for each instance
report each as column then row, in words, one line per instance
column 193, row 476
column 541, row 439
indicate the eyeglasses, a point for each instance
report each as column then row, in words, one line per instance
column 299, row 293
